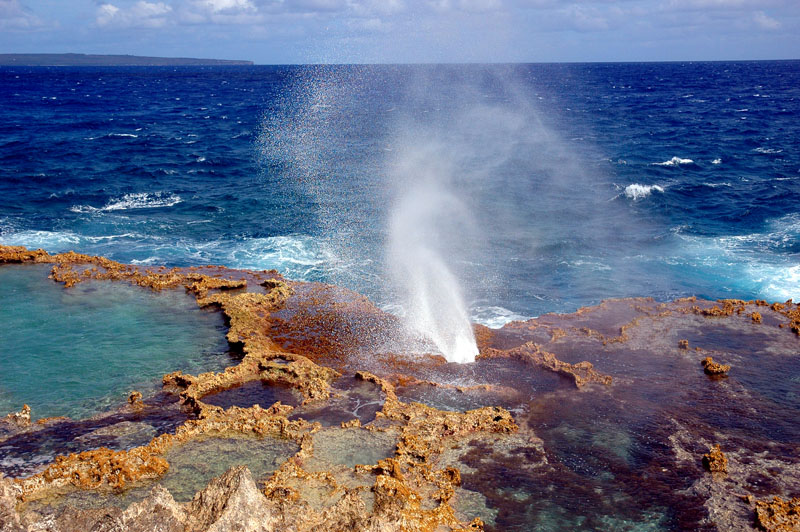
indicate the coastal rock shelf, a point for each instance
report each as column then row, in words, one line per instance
column 600, row 419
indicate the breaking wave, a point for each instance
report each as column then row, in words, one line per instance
column 637, row 191
column 138, row 200
column 675, row 161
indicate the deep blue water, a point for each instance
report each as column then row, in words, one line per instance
column 573, row 182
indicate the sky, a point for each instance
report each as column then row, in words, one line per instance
column 407, row 31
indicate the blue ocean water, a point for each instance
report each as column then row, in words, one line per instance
column 574, row 182
column 113, row 336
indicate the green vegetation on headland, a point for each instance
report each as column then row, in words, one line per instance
column 107, row 60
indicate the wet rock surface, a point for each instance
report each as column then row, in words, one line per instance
column 596, row 420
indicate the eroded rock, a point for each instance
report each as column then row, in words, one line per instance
column 715, row 461
column 713, row 368
column 778, row 515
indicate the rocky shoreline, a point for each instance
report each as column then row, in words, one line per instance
column 326, row 345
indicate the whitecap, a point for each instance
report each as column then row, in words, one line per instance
column 637, row 191
column 675, row 161
column 138, row 200
column 49, row 240
column 769, row 151
column 495, row 317
column 717, row 161
column 104, row 238
column 752, row 265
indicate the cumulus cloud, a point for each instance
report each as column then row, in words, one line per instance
column 140, row 14
column 14, row 16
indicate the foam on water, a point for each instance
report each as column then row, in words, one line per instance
column 750, row 265
column 495, row 317
column 138, row 200
column 637, row 191
column 675, row 161
column 298, row 257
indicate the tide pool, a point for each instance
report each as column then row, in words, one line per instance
column 79, row 351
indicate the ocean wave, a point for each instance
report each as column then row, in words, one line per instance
column 114, row 135
column 675, row 161
column 138, row 200
column 299, row 257
column 717, row 161
column 47, row 240
column 758, row 264
column 495, row 317
column 767, row 151
column 636, row 191
column 58, row 241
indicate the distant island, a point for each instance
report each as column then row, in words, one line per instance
column 107, row 60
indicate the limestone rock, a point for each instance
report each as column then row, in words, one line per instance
column 230, row 503
column 9, row 520
column 713, row 368
column 22, row 418
column 715, row 460
column 158, row 511
column 778, row 515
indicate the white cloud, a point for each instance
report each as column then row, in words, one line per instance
column 765, row 22
column 217, row 6
column 14, row 16
column 314, row 6
column 480, row 5
column 583, row 18
column 376, row 7
column 140, row 14
column 369, row 25
column 718, row 4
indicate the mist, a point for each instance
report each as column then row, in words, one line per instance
column 460, row 193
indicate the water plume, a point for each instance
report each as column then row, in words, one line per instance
column 425, row 216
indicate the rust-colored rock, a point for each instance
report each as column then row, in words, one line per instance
column 778, row 515
column 135, row 400
column 713, row 368
column 756, row 317
column 21, row 419
column 581, row 373
column 715, row 460
column 683, row 344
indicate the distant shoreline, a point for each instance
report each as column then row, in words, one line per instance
column 109, row 60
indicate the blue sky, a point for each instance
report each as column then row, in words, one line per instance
column 304, row 31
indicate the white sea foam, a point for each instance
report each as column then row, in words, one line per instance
column 114, row 135
column 48, row 240
column 753, row 263
column 495, row 317
column 768, row 151
column 138, row 200
column 717, row 161
column 637, row 191
column 675, row 161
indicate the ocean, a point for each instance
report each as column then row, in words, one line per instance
column 541, row 188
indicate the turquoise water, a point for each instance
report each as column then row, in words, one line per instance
column 76, row 352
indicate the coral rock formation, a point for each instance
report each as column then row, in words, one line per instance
column 713, row 368
column 778, row 515
column 715, row 460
